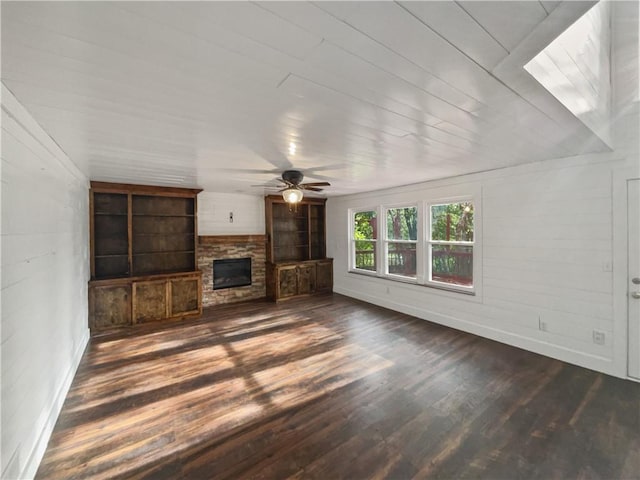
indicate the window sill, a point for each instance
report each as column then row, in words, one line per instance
column 366, row 273
column 409, row 281
column 451, row 288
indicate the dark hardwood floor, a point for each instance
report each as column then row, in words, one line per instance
column 332, row 388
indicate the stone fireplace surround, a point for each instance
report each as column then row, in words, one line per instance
column 218, row 247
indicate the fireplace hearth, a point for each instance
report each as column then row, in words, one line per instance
column 231, row 272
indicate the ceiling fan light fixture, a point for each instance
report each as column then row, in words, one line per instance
column 292, row 195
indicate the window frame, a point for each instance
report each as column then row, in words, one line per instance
column 429, row 243
column 352, row 242
column 385, row 242
column 440, row 195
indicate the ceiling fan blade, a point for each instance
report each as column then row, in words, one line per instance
column 336, row 166
column 312, row 189
column 317, row 184
column 250, row 170
column 313, row 175
column 265, row 185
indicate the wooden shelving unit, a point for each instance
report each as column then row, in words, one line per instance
column 296, row 248
column 317, row 243
column 110, row 252
column 143, row 254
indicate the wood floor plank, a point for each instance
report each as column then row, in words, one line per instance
column 330, row 387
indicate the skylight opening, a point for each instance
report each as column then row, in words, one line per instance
column 575, row 69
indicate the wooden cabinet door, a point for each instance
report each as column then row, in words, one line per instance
column 109, row 306
column 324, row 276
column 306, row 279
column 287, row 281
column 150, row 301
column 185, row 296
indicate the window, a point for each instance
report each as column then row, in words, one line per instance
column 436, row 242
column 401, row 240
column 365, row 234
column 450, row 244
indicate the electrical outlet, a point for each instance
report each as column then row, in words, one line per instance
column 388, row 290
column 598, row 337
column 542, row 326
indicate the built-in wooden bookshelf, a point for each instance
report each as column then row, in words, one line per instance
column 110, row 235
column 163, row 234
column 296, row 248
column 143, row 254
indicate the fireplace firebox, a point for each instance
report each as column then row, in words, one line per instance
column 231, row 272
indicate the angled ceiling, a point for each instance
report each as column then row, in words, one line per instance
column 211, row 94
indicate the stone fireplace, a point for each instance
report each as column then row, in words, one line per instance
column 231, row 247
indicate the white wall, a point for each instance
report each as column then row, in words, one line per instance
column 45, row 269
column 546, row 255
column 214, row 209
column 553, row 244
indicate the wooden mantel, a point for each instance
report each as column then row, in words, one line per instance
column 240, row 239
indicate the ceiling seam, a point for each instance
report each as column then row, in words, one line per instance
column 118, row 52
column 283, row 80
column 490, row 73
column 423, row 69
column 398, row 54
column 316, row 46
column 482, row 26
column 457, row 107
column 498, row 80
column 543, row 7
column 446, row 40
column 383, row 69
column 376, row 106
column 212, row 42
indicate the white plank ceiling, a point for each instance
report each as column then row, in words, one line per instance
column 211, row 94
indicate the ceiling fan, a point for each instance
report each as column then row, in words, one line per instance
column 293, row 186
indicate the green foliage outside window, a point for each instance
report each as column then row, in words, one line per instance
column 364, row 231
column 364, row 227
column 450, row 263
column 452, row 222
column 402, row 223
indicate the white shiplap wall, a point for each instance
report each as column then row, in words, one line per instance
column 546, row 256
column 214, row 209
column 45, row 269
column 553, row 243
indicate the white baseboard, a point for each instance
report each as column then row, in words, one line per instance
column 32, row 464
column 592, row 362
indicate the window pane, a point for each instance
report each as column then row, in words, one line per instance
column 365, row 226
column 365, row 255
column 401, row 258
column 452, row 222
column 402, row 223
column 452, row 264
